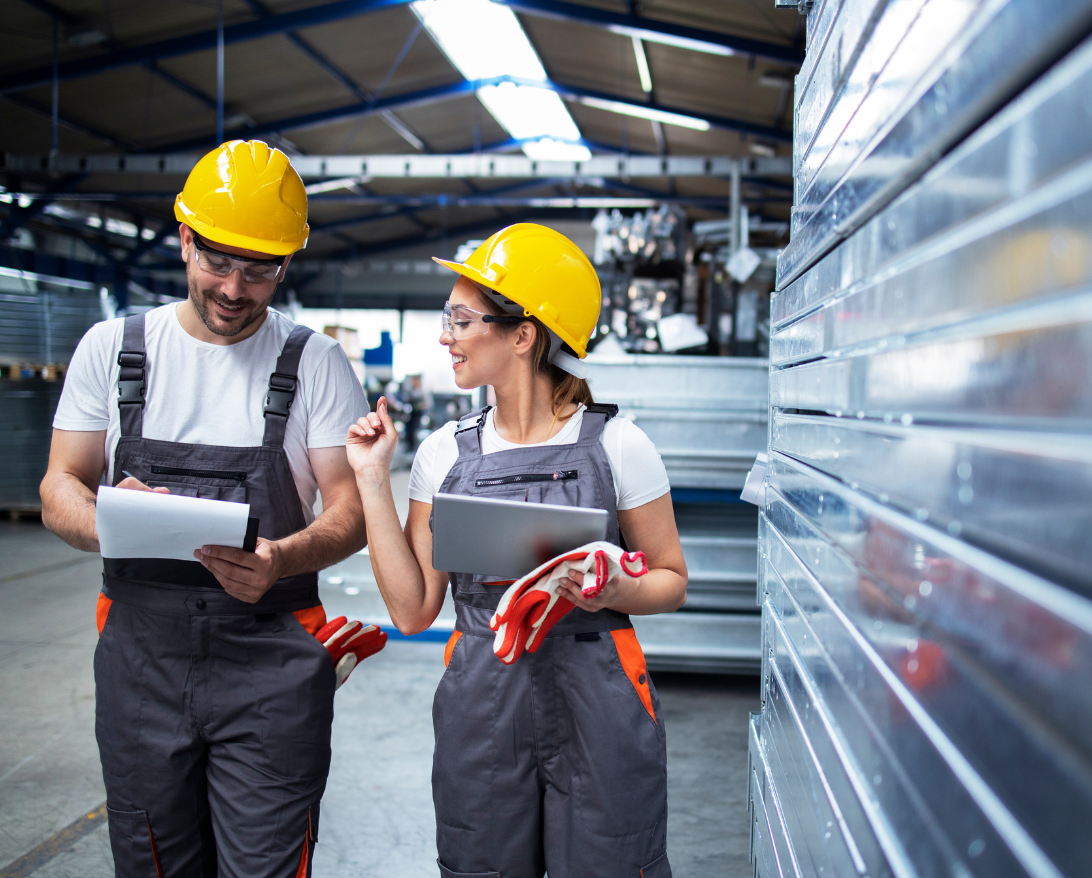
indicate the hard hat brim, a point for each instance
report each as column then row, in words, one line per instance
column 233, row 239
column 472, row 274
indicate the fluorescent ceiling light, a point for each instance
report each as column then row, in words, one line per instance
column 647, row 113
column 334, row 185
column 484, row 40
column 592, row 202
column 642, row 64
column 667, row 40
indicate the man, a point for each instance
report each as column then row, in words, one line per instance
column 214, row 698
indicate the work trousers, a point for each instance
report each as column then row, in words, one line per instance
column 214, row 734
column 555, row 764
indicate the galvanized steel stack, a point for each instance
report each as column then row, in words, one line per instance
column 926, row 540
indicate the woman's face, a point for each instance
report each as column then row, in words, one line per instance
column 478, row 359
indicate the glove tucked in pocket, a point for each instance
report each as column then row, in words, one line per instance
column 349, row 643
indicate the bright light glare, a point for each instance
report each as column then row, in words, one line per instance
column 642, row 64
column 484, row 40
column 668, row 40
column 480, row 38
column 549, row 150
column 647, row 113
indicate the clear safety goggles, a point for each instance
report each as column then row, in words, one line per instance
column 253, row 271
column 461, row 322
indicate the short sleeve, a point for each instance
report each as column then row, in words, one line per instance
column 432, row 462
column 86, row 397
column 641, row 476
column 337, row 400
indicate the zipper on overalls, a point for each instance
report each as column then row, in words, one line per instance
column 199, row 473
column 560, row 476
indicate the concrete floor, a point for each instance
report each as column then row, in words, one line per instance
column 377, row 817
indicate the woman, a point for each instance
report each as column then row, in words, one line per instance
column 557, row 762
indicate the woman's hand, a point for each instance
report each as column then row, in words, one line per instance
column 371, row 442
column 619, row 589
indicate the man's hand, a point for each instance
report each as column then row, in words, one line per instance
column 131, row 484
column 244, row 575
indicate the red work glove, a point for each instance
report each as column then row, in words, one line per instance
column 532, row 605
column 349, row 643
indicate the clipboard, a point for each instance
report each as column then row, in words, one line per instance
column 250, row 540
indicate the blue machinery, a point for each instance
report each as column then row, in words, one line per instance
column 926, row 539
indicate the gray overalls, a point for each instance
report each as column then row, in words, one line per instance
column 212, row 715
column 556, row 763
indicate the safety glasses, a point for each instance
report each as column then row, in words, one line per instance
column 461, row 322
column 253, row 271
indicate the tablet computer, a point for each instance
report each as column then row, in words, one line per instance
column 506, row 538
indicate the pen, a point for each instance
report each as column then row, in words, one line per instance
column 126, row 472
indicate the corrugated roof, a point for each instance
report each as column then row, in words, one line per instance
column 271, row 78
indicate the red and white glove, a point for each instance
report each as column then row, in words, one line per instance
column 532, row 605
column 349, row 643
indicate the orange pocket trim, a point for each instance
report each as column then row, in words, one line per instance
column 102, row 610
column 301, row 872
column 450, row 648
column 155, row 851
column 632, row 658
column 312, row 619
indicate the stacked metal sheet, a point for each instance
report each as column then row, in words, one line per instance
column 926, row 541
column 41, row 323
column 707, row 418
column 26, row 425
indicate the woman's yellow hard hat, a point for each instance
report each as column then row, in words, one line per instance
column 246, row 194
column 543, row 272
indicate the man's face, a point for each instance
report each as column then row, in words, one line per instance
column 226, row 305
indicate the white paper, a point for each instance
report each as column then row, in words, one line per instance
column 143, row 524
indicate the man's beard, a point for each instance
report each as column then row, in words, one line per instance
column 202, row 300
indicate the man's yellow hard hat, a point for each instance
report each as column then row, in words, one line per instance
column 246, row 194
column 543, row 272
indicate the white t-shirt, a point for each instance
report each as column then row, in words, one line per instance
column 639, row 474
column 210, row 394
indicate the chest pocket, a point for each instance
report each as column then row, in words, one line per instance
column 566, row 485
column 208, row 484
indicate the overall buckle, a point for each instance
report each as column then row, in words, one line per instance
column 131, row 390
column 282, row 390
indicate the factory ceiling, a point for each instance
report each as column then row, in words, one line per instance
column 363, row 77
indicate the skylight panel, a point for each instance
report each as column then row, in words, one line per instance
column 484, row 40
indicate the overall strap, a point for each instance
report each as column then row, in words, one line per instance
column 282, row 387
column 468, row 435
column 132, row 377
column 594, row 421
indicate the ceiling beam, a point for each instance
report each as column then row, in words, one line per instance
column 70, row 124
column 67, row 20
column 343, row 78
column 650, row 28
column 343, row 9
column 460, row 89
column 20, row 216
column 197, row 42
column 453, row 166
column 435, row 234
column 331, row 116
